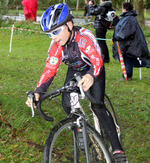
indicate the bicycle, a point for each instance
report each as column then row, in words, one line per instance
column 83, row 143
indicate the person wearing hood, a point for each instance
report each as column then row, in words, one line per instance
column 101, row 24
column 131, row 41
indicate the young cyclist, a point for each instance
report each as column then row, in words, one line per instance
column 78, row 49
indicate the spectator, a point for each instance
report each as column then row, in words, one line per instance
column 86, row 8
column 101, row 24
column 131, row 41
column 115, row 20
column 30, row 9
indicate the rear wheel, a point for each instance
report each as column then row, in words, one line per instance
column 63, row 144
column 99, row 127
column 109, row 106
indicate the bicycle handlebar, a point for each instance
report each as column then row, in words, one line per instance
column 78, row 77
column 42, row 98
column 57, row 92
column 30, row 94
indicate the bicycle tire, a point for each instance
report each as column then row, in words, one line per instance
column 110, row 107
column 65, row 153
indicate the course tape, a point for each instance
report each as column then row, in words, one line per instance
column 22, row 29
column 104, row 39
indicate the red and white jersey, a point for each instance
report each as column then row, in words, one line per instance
column 83, row 53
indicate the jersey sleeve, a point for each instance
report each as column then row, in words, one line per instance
column 91, row 49
column 52, row 64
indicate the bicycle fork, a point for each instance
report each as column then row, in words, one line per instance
column 81, row 124
column 75, row 105
column 85, row 139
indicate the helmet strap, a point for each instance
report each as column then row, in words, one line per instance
column 69, row 39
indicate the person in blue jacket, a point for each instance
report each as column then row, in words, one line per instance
column 131, row 40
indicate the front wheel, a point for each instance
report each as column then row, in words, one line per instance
column 63, row 144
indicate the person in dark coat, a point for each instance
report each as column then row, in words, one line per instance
column 131, row 41
column 101, row 24
column 86, row 8
column 115, row 20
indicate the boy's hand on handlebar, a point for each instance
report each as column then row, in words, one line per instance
column 28, row 102
column 86, row 82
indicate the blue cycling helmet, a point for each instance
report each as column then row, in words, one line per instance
column 55, row 16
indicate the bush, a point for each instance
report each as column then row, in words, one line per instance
column 3, row 10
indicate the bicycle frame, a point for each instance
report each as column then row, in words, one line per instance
column 76, row 109
column 75, row 105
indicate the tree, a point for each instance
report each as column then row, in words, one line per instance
column 114, row 4
column 138, row 5
column 77, row 6
column 7, row 1
column 3, row 9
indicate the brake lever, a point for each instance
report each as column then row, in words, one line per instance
column 78, row 77
column 30, row 94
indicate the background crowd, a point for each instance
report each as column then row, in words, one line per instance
column 128, row 35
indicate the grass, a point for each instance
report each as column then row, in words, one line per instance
column 22, row 137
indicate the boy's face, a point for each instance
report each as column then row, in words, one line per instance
column 63, row 37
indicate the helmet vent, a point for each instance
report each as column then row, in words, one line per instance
column 56, row 17
column 44, row 21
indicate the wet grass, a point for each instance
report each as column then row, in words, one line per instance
column 22, row 137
